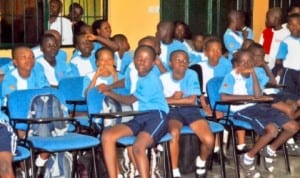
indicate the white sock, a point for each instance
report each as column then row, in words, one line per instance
column 225, row 136
column 290, row 141
column 216, row 149
column 39, row 162
column 248, row 160
column 270, row 151
column 120, row 176
column 176, row 173
column 241, row 146
column 200, row 162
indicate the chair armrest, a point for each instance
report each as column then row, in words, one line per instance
column 278, row 86
column 40, row 120
column 185, row 106
column 76, row 102
column 113, row 115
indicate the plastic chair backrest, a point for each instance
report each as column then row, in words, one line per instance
column 4, row 60
column 72, row 88
column 213, row 86
column 94, row 101
column 197, row 68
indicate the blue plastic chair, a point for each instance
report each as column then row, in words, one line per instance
column 4, row 60
column 19, row 106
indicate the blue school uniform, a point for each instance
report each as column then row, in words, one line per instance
column 61, row 54
column 167, row 49
column 7, row 136
column 123, row 63
column 233, row 42
column 196, row 57
column 61, row 70
column 220, row 70
column 84, row 65
column 97, row 46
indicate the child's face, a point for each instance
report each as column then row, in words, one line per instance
column 179, row 63
column 24, row 59
column 86, row 30
column 271, row 20
column 76, row 14
column 245, row 64
column 84, row 46
column 213, row 52
column 258, row 57
column 153, row 44
column 198, row 43
column 143, row 61
column 105, row 58
column 105, row 30
column 179, row 32
column 50, row 48
column 54, row 8
column 125, row 45
column 294, row 27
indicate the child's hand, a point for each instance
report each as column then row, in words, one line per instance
column 243, row 70
column 263, row 98
column 111, row 69
column 157, row 61
column 103, row 87
column 177, row 95
column 90, row 37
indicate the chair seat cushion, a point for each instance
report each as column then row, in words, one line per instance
column 215, row 128
column 22, row 153
column 126, row 141
column 69, row 141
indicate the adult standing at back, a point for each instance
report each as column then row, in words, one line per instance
column 59, row 23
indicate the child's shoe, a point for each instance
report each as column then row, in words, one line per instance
column 249, row 170
column 268, row 160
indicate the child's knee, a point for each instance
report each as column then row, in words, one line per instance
column 272, row 130
column 5, row 169
column 175, row 133
column 208, row 140
column 292, row 126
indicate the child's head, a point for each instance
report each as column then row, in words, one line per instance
column 102, row 28
column 198, row 42
column 23, row 59
column 244, row 62
column 86, row 29
column 258, row 54
column 152, row 42
column 144, row 57
column 294, row 25
column 165, row 31
column 181, row 31
column 234, row 19
column 247, row 42
column 49, row 46
column 104, row 57
column 75, row 12
column 213, row 50
column 295, row 9
column 274, row 17
column 84, row 45
column 55, row 7
column 179, row 63
column 56, row 34
column 121, row 41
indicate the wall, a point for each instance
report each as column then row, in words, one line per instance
column 260, row 8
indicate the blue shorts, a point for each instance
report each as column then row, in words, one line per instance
column 260, row 115
column 186, row 115
column 154, row 122
column 8, row 138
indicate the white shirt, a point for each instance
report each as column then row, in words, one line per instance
column 64, row 27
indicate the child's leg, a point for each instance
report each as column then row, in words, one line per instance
column 174, row 130
column 143, row 141
column 109, row 139
column 286, row 107
column 241, row 135
column 5, row 164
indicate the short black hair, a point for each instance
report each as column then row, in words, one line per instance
column 211, row 39
column 294, row 15
column 45, row 37
column 104, row 48
column 178, row 51
column 149, row 48
column 97, row 24
column 76, row 5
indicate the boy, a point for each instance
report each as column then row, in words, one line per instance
column 197, row 55
column 164, row 33
column 273, row 35
column 53, row 68
column 149, row 127
column 181, row 86
column 122, row 56
column 85, row 62
column 288, row 56
column 7, row 147
column 242, row 84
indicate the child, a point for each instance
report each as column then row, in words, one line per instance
column 122, row 56
column 273, row 35
column 85, row 62
column 242, row 84
column 181, row 86
column 245, row 31
column 182, row 33
column 149, row 127
column 164, row 33
column 7, row 147
column 288, row 56
column 197, row 55
column 53, row 68
column 22, row 76
column 232, row 37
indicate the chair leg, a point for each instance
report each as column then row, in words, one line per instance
column 235, row 156
column 33, row 171
column 221, row 155
column 26, row 169
column 286, row 158
column 167, row 161
column 94, row 162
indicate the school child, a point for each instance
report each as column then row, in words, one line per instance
column 122, row 56
column 85, row 62
column 245, row 31
column 7, row 147
column 164, row 33
column 48, row 64
column 272, row 35
column 105, row 72
column 182, row 33
column 197, row 54
column 181, row 86
column 149, row 127
column 293, row 9
column 242, row 84
column 288, row 57
column 22, row 76
column 233, row 38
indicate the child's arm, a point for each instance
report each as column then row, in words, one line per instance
column 256, row 87
column 160, row 65
column 107, row 42
column 117, row 84
column 269, row 73
column 178, row 98
column 121, row 98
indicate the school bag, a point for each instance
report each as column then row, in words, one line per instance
column 48, row 106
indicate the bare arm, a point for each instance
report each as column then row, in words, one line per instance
column 160, row 65
column 121, row 98
column 107, row 42
column 269, row 73
column 186, row 100
column 256, row 87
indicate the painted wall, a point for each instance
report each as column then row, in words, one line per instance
column 260, row 8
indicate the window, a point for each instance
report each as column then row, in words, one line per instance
column 23, row 21
column 205, row 16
